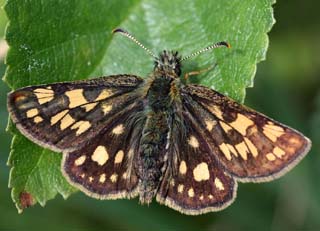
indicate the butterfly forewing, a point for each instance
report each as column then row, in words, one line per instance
column 70, row 111
column 103, row 168
column 249, row 145
column 195, row 184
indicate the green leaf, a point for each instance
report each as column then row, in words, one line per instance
column 35, row 171
column 54, row 41
column 3, row 19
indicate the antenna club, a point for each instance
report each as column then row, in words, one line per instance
column 213, row 46
column 116, row 30
column 226, row 44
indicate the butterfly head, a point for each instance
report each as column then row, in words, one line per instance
column 168, row 62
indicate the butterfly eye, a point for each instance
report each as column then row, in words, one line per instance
column 177, row 69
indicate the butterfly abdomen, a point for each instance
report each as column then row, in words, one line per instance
column 151, row 160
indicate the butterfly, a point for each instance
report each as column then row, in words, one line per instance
column 185, row 145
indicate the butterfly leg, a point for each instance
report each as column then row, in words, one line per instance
column 186, row 76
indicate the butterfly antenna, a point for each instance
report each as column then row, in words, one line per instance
column 213, row 46
column 127, row 34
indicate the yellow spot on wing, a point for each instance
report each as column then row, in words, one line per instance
column 225, row 150
column 271, row 156
column 252, row 147
column 19, row 98
column 43, row 95
column 37, row 119
column 252, row 130
column 32, row 112
column 58, row 116
column 274, row 127
column 218, row 184
column 278, row 152
column 124, row 175
column 183, row 167
column 114, row 177
column 216, row 111
column 119, row 157
column 210, row 124
column 232, row 150
column 193, row 142
column 102, row 178
column 76, row 98
column 100, row 155
column 106, row 108
column 242, row 149
column 225, row 127
column 66, row 122
column 80, row 160
column 118, row 130
column 180, row 188
column 201, row 172
column 82, row 126
column 241, row 124
column 89, row 106
column 191, row 192
column 43, row 91
column 104, row 94
column 273, row 132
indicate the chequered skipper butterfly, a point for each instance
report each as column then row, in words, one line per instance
column 187, row 145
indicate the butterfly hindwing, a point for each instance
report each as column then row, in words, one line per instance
column 194, row 183
column 65, row 115
column 103, row 168
column 249, row 145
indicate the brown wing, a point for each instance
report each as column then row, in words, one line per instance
column 103, row 168
column 194, row 183
column 65, row 115
column 249, row 145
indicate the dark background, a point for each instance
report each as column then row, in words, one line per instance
column 287, row 88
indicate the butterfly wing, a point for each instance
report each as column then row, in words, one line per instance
column 194, row 183
column 247, row 144
column 63, row 116
column 103, row 168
